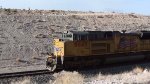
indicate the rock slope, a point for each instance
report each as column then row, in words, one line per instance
column 24, row 34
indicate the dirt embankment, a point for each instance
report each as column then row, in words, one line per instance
column 24, row 34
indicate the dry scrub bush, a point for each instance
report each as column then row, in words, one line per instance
column 68, row 78
column 10, row 11
column 132, row 15
column 100, row 17
column 53, row 10
column 18, row 59
column 138, row 70
column 26, row 81
column 36, row 58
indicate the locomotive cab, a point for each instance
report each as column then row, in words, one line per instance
column 56, row 58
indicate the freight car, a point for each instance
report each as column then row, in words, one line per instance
column 75, row 49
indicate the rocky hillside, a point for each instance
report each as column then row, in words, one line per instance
column 24, row 34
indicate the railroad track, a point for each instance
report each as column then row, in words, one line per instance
column 25, row 73
column 45, row 71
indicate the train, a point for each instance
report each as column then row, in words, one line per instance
column 77, row 49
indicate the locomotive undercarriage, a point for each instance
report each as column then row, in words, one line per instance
column 81, row 62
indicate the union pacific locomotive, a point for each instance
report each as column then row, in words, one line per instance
column 76, row 49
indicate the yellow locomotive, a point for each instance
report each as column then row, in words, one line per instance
column 75, row 49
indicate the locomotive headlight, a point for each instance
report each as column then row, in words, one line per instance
column 50, row 59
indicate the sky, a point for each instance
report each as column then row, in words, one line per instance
column 123, row 6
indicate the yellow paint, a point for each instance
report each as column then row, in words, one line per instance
column 58, row 48
column 87, row 48
column 77, row 48
column 100, row 47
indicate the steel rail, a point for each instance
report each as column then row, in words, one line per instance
column 24, row 73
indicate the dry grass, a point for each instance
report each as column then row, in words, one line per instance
column 68, row 78
column 138, row 70
column 26, row 81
